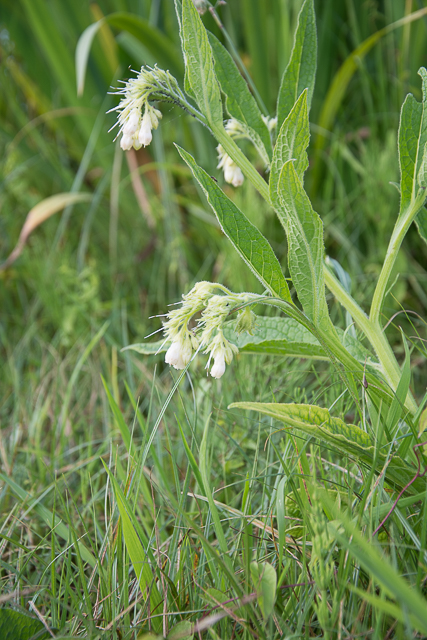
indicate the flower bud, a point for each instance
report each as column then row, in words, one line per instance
column 145, row 136
column 218, row 368
column 132, row 123
column 126, row 142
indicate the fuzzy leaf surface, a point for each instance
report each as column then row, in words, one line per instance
column 245, row 237
column 412, row 145
column 347, row 438
column 240, row 103
column 291, row 144
column 300, row 73
column 305, row 239
column 199, row 64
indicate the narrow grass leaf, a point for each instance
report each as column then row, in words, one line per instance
column 47, row 517
column 245, row 237
column 161, row 47
column 118, row 416
column 239, row 101
column 377, row 565
column 199, row 64
column 204, row 472
column 301, row 70
column 136, row 550
column 38, row 214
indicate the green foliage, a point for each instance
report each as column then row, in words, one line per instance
column 300, row 73
column 15, row 625
column 214, row 513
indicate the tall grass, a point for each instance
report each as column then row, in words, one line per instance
column 214, row 491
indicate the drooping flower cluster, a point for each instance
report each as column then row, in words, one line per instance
column 207, row 334
column 137, row 117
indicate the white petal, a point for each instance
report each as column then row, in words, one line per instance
column 126, row 142
column 237, row 178
column 145, row 136
column 218, row 368
column 132, row 123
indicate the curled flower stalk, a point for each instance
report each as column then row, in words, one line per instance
column 207, row 333
column 136, row 116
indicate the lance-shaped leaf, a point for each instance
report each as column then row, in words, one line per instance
column 305, row 246
column 347, row 438
column 291, row 144
column 199, row 64
column 301, row 71
column 245, row 237
column 412, row 143
column 240, row 103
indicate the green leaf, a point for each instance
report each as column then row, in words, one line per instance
column 265, row 582
column 277, row 336
column 181, row 631
column 291, row 144
column 377, row 565
column 154, row 40
column 245, row 237
column 120, row 422
column 347, row 438
column 199, row 64
column 412, row 143
column 136, row 551
column 273, row 336
column 240, row 103
column 15, row 625
column 305, row 246
column 301, row 70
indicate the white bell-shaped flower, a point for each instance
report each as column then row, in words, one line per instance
column 145, row 136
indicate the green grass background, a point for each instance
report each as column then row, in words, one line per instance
column 86, row 285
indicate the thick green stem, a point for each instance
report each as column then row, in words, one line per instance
column 399, row 232
column 374, row 333
column 231, row 148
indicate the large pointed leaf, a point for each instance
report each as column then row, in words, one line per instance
column 291, row 144
column 199, row 64
column 301, row 71
column 306, row 251
column 247, row 240
column 412, row 141
column 347, row 438
column 240, row 103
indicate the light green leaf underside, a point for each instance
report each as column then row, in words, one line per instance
column 240, row 103
column 348, row 438
column 245, row 237
column 291, row 144
column 199, row 64
column 305, row 246
column 273, row 336
column 412, row 145
column 300, row 73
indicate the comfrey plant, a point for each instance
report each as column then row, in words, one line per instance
column 306, row 329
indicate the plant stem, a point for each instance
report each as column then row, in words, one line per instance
column 402, row 225
column 231, row 148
